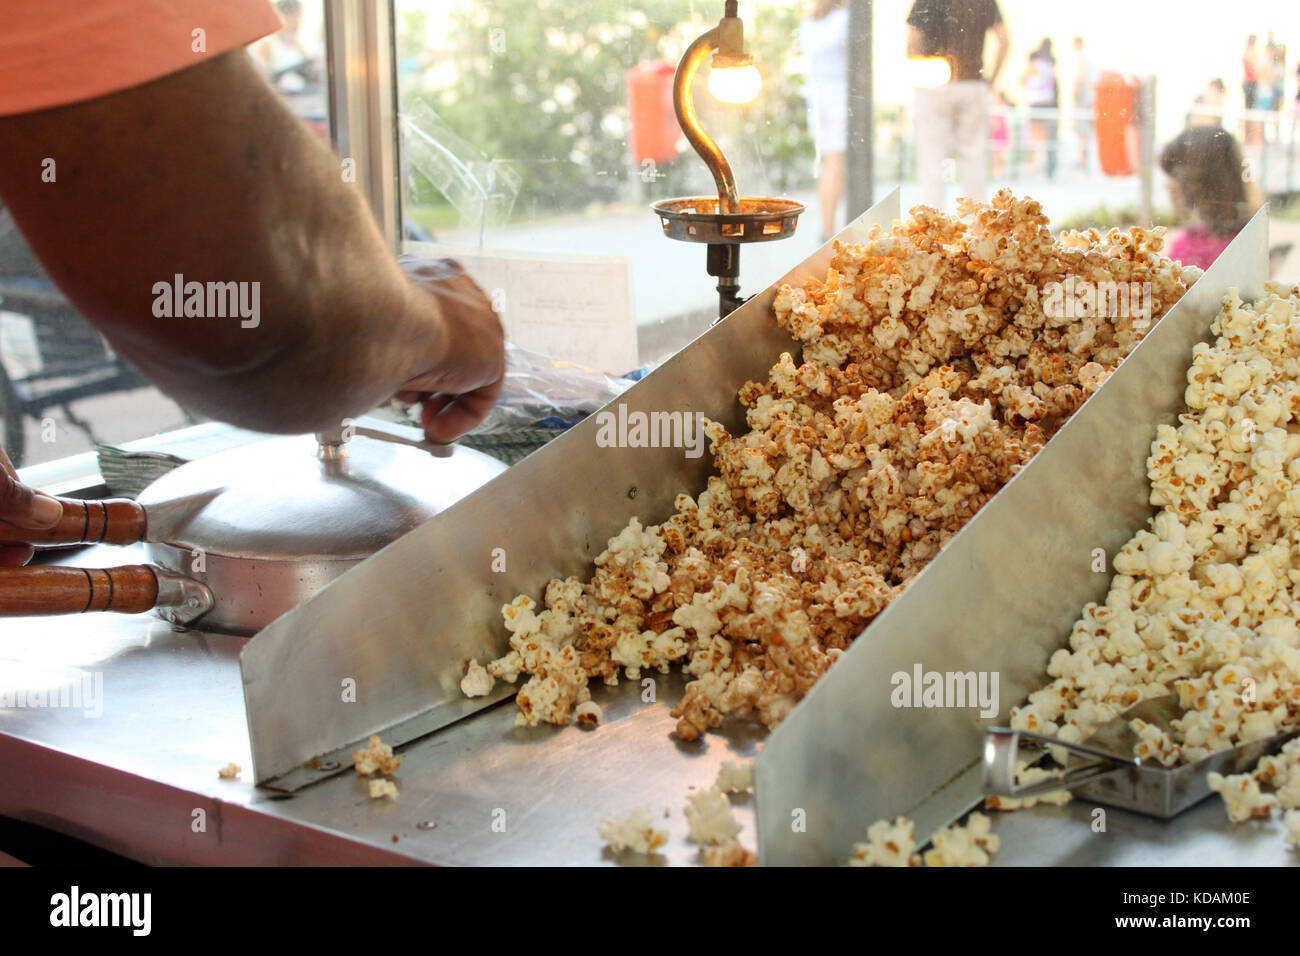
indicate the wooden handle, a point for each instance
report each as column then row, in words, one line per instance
column 103, row 521
column 32, row 591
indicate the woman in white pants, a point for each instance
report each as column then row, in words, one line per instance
column 823, row 36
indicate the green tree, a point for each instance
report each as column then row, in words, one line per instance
column 540, row 85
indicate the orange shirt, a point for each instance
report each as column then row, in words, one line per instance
column 57, row 52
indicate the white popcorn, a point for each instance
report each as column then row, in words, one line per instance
column 735, row 776
column 636, row 832
column 381, row 787
column 1204, row 603
column 1242, row 797
column 230, row 771
column 888, row 844
column 731, row 853
column 1291, row 819
column 477, row 682
column 969, row 845
column 709, row 815
column 894, row 844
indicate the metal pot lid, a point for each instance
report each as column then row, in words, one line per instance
column 298, row 499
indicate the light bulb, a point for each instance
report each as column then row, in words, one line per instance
column 927, row 72
column 735, row 84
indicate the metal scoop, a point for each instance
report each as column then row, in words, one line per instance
column 1111, row 774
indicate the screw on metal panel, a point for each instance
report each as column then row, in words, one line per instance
column 328, row 765
column 425, row 825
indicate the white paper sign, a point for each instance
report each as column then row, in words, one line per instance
column 575, row 308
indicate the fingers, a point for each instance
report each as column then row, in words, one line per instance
column 446, row 417
column 15, row 555
column 20, row 505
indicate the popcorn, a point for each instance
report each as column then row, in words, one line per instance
column 930, row 373
column 377, row 757
column 1291, row 819
column 230, row 771
column 730, row 853
column 1205, row 601
column 588, row 714
column 888, row 844
column 477, row 682
column 969, row 845
column 1242, row 796
column 634, row 832
column 709, row 815
column 380, row 788
column 735, row 777
column 894, row 844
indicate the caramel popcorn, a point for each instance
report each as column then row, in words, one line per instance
column 633, row 832
column 932, row 370
column 377, row 757
column 230, row 771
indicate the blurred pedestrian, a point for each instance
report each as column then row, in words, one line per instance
column 1082, row 100
column 1277, row 71
column 1251, row 67
column 1208, row 193
column 1000, row 131
column 823, row 38
column 953, row 117
column 1041, row 92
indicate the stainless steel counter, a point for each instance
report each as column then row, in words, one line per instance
column 141, row 778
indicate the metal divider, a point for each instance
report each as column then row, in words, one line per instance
column 400, row 626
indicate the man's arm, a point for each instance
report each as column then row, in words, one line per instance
column 207, row 174
column 1003, row 37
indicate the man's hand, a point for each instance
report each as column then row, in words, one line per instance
column 461, row 389
column 21, row 506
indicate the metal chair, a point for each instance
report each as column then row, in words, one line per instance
column 71, row 360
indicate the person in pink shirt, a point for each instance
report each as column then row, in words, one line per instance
column 1209, row 192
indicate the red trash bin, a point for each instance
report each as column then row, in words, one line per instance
column 1115, row 113
column 654, row 132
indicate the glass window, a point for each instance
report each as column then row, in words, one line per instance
column 62, row 389
column 543, row 130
